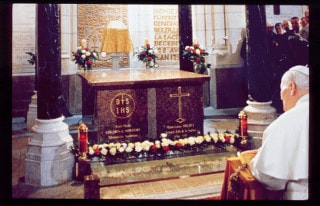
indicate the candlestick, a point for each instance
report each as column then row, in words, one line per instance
column 83, row 139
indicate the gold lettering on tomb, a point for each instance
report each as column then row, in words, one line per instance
column 179, row 96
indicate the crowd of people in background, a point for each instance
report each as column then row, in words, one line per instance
column 288, row 45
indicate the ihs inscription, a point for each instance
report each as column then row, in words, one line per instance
column 122, row 106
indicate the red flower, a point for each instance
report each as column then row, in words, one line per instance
column 76, row 54
column 195, row 45
column 143, row 53
column 149, row 58
column 89, row 61
column 97, row 150
column 201, row 51
column 148, row 45
column 165, row 148
column 154, row 148
column 179, row 145
column 198, row 59
column 227, row 137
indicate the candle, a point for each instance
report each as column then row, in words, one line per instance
column 146, row 43
column 242, row 123
column 195, row 41
column 83, row 138
column 83, row 43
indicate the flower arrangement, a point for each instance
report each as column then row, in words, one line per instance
column 83, row 56
column 196, row 54
column 115, row 151
column 147, row 55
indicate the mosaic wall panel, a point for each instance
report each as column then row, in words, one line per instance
column 92, row 19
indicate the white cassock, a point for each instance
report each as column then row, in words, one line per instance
column 282, row 161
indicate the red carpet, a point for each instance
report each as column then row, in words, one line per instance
column 212, row 198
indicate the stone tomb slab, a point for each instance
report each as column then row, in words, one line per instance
column 143, row 103
column 122, row 113
column 179, row 109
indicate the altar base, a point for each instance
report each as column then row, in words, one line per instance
column 48, row 159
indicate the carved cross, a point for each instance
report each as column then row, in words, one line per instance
column 180, row 95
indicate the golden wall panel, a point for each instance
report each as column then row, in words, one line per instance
column 92, row 18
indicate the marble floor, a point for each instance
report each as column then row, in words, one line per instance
column 220, row 120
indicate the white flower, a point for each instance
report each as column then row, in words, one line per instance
column 113, row 151
column 104, row 151
column 191, row 141
column 157, row 143
column 130, row 144
column 94, row 54
column 88, row 53
column 221, row 137
column 129, row 149
column 111, row 145
column 232, row 140
column 83, row 51
column 199, row 139
column 83, row 56
column 215, row 137
column 91, row 151
column 121, row 149
column 163, row 135
column 198, row 51
column 146, row 145
column 137, row 148
column 187, row 47
column 207, row 138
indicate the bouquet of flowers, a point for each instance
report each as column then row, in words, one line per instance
column 84, row 56
column 196, row 54
column 147, row 55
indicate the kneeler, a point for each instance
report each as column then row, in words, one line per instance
column 240, row 184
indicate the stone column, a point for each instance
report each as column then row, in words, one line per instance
column 48, row 159
column 185, row 33
column 259, row 111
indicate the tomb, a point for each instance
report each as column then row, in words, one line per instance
column 137, row 104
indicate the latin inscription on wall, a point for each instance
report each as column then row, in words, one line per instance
column 122, row 114
column 166, row 32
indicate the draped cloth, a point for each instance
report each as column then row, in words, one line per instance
column 116, row 38
column 285, row 148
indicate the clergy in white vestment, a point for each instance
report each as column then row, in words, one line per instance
column 282, row 162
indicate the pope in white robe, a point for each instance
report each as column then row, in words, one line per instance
column 282, row 161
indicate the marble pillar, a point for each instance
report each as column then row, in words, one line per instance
column 48, row 159
column 259, row 110
column 185, row 33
